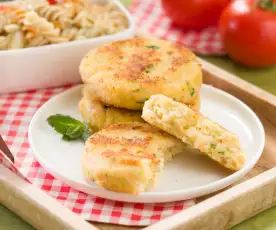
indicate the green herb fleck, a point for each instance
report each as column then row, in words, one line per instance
column 153, row 47
column 106, row 107
column 213, row 146
column 136, row 90
column 68, row 127
column 221, row 153
column 186, row 126
column 192, row 91
column 142, row 101
column 216, row 133
column 90, row 20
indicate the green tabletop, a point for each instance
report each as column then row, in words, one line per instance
column 265, row 78
column 262, row 77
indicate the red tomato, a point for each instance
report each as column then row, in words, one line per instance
column 248, row 32
column 194, row 14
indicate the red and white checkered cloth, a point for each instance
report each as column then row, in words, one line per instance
column 150, row 18
column 16, row 112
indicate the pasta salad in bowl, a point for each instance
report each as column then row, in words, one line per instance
column 41, row 44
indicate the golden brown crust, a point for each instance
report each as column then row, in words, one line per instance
column 100, row 139
column 126, row 157
column 139, row 68
column 125, row 152
column 145, row 128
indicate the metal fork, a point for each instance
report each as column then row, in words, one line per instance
column 5, row 149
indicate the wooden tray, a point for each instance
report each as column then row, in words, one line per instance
column 217, row 211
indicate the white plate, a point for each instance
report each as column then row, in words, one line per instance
column 187, row 176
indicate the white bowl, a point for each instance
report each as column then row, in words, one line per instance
column 51, row 65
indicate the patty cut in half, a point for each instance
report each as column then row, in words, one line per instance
column 195, row 130
column 124, row 74
column 127, row 157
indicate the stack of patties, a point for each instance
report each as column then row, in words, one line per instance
column 125, row 153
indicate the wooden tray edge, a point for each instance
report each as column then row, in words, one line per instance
column 228, row 208
column 238, row 82
column 35, row 206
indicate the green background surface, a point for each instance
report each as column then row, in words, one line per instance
column 263, row 77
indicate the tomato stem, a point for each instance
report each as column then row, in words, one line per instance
column 267, row 5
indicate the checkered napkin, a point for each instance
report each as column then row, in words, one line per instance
column 16, row 111
column 150, row 18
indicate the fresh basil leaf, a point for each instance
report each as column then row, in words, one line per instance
column 69, row 127
column 65, row 138
column 74, row 132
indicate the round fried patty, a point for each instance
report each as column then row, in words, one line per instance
column 127, row 157
column 126, row 73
